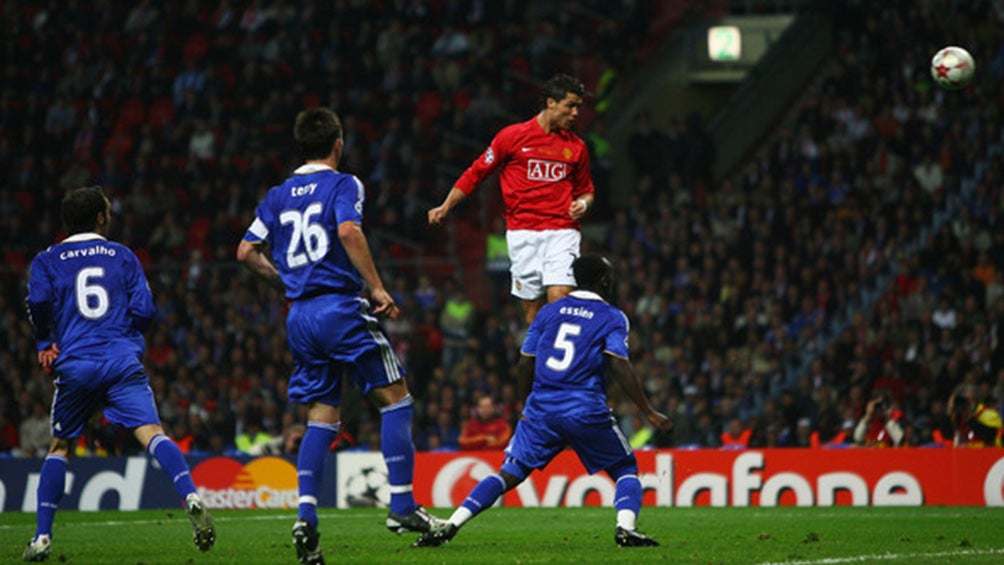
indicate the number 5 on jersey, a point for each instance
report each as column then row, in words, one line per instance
column 311, row 234
column 565, row 345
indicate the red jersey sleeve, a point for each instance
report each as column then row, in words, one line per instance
column 491, row 160
column 583, row 180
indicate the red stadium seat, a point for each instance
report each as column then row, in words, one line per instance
column 26, row 199
column 196, row 47
column 144, row 256
column 311, row 100
column 161, row 113
column 462, row 98
column 195, row 237
column 15, row 260
column 120, row 143
column 225, row 73
column 429, row 107
column 131, row 114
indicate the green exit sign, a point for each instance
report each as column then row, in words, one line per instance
column 724, row 43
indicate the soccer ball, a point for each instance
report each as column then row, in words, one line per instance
column 369, row 488
column 952, row 68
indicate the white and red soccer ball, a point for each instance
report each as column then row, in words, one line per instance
column 952, row 68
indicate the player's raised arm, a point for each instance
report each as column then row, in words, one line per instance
column 623, row 371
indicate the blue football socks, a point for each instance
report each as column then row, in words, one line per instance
column 310, row 466
column 51, row 485
column 484, row 494
column 399, row 453
column 166, row 452
column 627, row 495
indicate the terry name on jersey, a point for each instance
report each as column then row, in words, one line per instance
column 303, row 190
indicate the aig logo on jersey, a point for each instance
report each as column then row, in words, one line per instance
column 538, row 169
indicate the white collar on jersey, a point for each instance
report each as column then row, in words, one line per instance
column 587, row 295
column 85, row 236
column 311, row 168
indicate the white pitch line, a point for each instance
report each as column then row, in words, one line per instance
column 889, row 557
column 217, row 519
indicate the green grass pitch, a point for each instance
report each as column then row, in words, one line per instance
column 809, row 536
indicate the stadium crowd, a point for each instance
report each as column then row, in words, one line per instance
column 858, row 253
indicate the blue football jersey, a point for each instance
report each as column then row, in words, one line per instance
column 570, row 338
column 89, row 296
column 299, row 219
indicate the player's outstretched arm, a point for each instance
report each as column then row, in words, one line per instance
column 358, row 249
column 438, row 214
column 625, row 374
column 253, row 256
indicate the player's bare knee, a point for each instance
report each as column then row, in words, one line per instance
column 144, row 434
column 60, row 446
column 389, row 394
column 511, row 481
column 324, row 413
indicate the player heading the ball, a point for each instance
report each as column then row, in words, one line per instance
column 547, row 189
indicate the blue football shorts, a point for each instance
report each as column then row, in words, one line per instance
column 118, row 385
column 596, row 439
column 330, row 334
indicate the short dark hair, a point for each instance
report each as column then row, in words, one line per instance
column 558, row 86
column 316, row 131
column 80, row 208
column 593, row 272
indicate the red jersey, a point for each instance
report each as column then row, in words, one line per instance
column 480, row 434
column 542, row 173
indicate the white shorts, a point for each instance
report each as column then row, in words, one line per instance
column 541, row 259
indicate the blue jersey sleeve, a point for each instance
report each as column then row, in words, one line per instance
column 349, row 203
column 40, row 302
column 617, row 337
column 141, row 306
column 259, row 230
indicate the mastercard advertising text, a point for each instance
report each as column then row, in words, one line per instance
column 266, row 482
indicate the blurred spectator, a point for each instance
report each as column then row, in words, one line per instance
column 456, row 321
column 497, row 262
column 881, row 425
column 486, row 429
column 287, row 444
column 182, row 436
column 252, row 438
column 977, row 421
column 9, row 439
column 737, row 435
column 35, row 434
